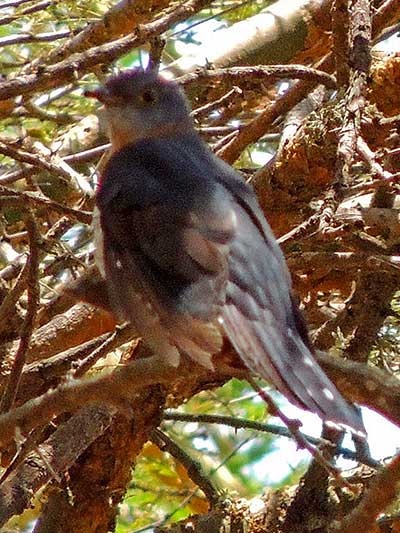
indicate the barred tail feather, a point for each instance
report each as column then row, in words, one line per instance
column 285, row 361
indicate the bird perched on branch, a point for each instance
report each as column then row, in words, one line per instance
column 187, row 253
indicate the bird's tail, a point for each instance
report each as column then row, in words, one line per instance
column 288, row 364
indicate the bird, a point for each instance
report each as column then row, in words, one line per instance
column 187, row 254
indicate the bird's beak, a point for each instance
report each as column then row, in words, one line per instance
column 101, row 94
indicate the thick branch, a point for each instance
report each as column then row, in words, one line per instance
column 56, row 455
column 382, row 493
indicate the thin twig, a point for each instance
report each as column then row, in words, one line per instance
column 193, row 468
column 13, row 3
column 340, row 35
column 242, row 423
column 9, row 303
column 76, row 158
column 27, row 198
column 261, row 73
column 34, row 110
column 234, row 93
column 39, row 6
column 293, row 427
column 365, row 152
column 24, row 38
column 23, row 449
column 47, row 161
column 11, row 389
column 386, row 14
column 300, row 231
column 255, row 129
column 157, row 46
column 113, row 340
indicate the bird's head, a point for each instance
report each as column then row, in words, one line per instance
column 141, row 104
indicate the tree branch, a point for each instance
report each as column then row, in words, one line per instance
column 194, row 471
column 273, row 429
column 67, row 71
column 55, row 456
column 14, row 378
column 381, row 493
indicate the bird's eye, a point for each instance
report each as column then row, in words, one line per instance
column 149, row 96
